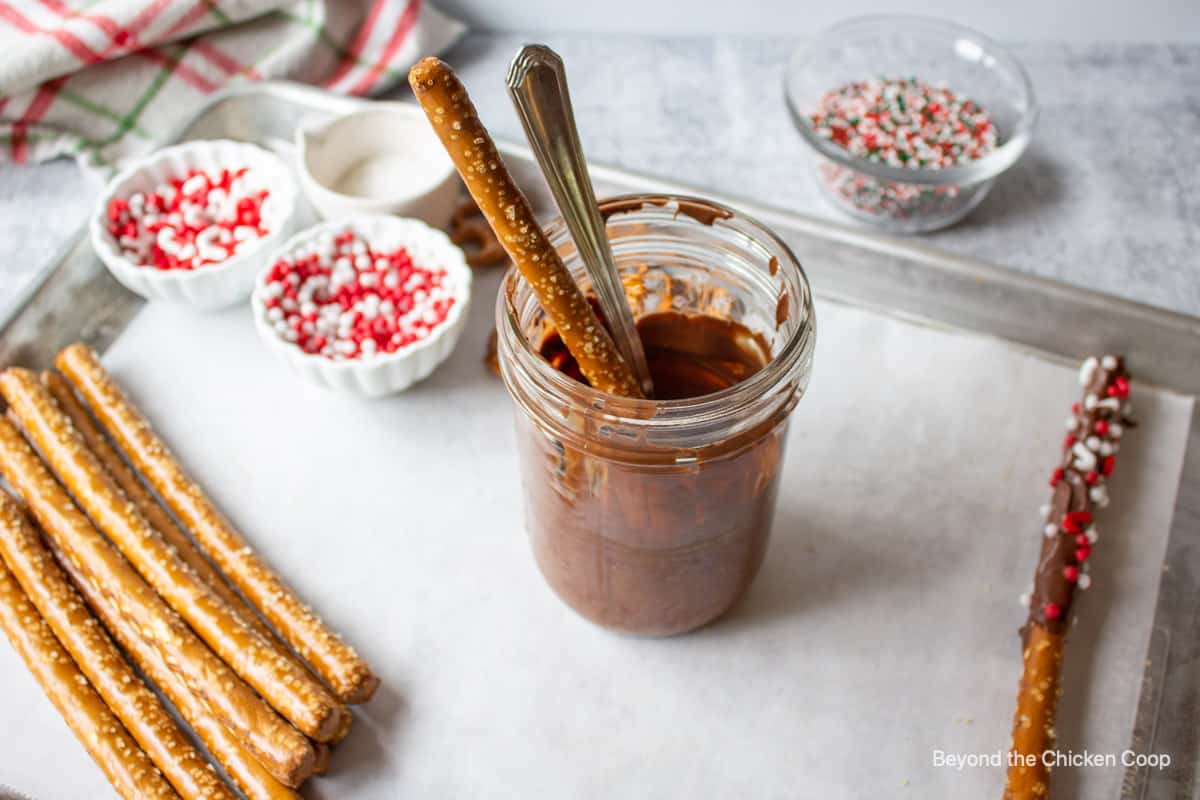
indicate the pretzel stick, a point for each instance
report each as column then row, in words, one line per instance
column 343, row 731
column 138, row 709
column 277, row 677
column 115, row 468
column 334, row 660
column 1080, row 484
column 321, row 762
column 248, row 775
column 126, row 765
column 277, row 745
column 456, row 122
column 160, row 520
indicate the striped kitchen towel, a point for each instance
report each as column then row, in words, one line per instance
column 106, row 80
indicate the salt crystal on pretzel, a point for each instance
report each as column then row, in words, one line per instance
column 138, row 708
column 456, row 122
column 335, row 661
column 277, row 677
column 277, row 745
column 126, row 765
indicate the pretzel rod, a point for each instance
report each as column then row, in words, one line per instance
column 456, row 122
column 334, row 660
column 159, row 519
column 277, row 745
column 279, row 678
column 343, row 731
column 321, row 762
column 126, row 765
column 116, row 468
column 138, row 708
column 162, row 522
column 1080, row 484
column 247, row 774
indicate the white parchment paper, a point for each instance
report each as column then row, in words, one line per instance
column 882, row 627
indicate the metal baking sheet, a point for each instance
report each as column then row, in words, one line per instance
column 77, row 299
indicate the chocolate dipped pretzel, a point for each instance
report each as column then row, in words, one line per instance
column 138, row 708
column 456, row 122
column 126, row 765
column 1080, row 486
column 282, row 749
column 243, row 768
column 335, row 661
column 277, row 677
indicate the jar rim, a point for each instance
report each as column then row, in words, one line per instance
column 642, row 412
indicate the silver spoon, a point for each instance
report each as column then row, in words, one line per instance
column 537, row 84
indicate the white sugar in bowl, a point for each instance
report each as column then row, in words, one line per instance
column 384, row 159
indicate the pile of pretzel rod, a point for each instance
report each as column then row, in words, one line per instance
column 1079, row 487
column 96, row 578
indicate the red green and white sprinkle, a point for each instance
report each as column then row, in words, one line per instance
column 874, row 197
column 905, row 122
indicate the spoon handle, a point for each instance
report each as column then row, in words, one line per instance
column 537, row 84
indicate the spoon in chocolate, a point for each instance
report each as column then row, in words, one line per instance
column 456, row 122
column 537, row 84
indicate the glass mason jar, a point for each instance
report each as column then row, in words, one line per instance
column 652, row 517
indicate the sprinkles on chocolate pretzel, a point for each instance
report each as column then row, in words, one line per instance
column 1080, row 487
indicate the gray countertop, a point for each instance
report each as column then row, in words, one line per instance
column 1108, row 195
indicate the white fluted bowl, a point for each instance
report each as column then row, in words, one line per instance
column 214, row 286
column 382, row 373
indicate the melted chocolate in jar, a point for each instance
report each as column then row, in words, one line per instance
column 657, row 541
column 689, row 355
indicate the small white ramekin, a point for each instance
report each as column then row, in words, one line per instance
column 215, row 286
column 384, row 373
column 326, row 152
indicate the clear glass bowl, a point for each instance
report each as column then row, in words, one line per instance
column 900, row 199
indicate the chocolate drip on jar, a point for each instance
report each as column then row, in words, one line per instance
column 700, row 210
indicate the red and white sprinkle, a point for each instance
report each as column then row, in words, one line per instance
column 194, row 221
column 343, row 300
column 1089, row 451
